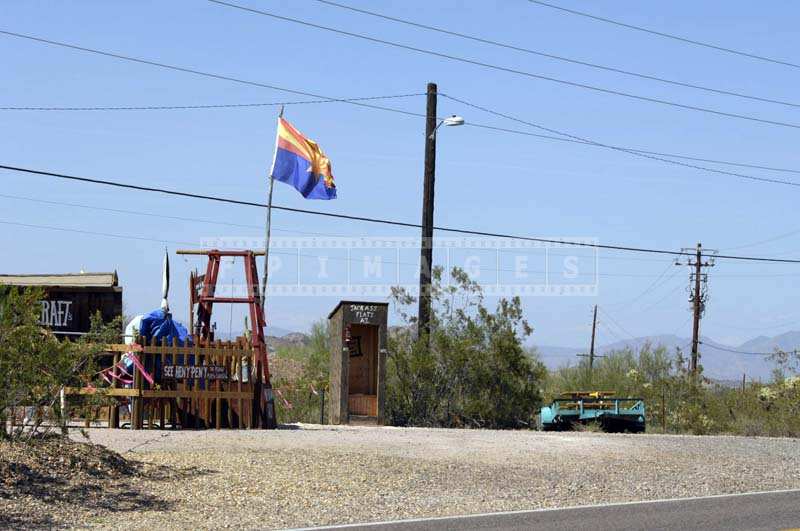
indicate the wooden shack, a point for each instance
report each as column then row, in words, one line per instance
column 71, row 299
column 358, row 362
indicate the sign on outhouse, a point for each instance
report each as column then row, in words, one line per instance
column 358, row 361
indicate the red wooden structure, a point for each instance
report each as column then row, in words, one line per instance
column 203, row 294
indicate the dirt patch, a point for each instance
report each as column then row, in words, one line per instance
column 57, row 482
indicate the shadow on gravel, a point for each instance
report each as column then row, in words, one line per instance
column 57, row 482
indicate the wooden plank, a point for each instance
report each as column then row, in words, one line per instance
column 113, row 417
column 218, row 401
column 205, row 252
column 241, row 416
column 230, row 350
column 195, row 394
column 227, row 387
column 105, row 391
column 121, row 347
column 136, row 409
column 361, row 404
column 160, row 393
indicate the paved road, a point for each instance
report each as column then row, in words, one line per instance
column 756, row 511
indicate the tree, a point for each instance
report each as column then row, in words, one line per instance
column 473, row 371
column 35, row 365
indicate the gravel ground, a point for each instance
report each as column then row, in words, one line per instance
column 322, row 475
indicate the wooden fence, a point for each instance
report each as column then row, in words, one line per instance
column 208, row 384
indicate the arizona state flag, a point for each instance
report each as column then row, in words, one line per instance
column 301, row 163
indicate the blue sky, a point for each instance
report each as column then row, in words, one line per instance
column 486, row 180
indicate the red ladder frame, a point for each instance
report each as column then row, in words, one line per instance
column 263, row 401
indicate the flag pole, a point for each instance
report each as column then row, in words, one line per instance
column 268, row 228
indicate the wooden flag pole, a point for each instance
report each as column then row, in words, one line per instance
column 268, row 228
column 266, row 248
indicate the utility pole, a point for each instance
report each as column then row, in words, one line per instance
column 426, row 244
column 591, row 354
column 594, row 331
column 698, row 295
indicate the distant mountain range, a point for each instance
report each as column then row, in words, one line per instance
column 717, row 362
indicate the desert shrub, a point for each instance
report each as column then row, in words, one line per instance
column 472, row 371
column 677, row 402
column 302, row 385
column 35, row 365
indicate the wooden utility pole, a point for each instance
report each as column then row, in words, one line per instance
column 591, row 354
column 698, row 297
column 696, row 305
column 426, row 244
column 594, row 331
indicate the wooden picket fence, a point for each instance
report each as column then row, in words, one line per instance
column 208, row 384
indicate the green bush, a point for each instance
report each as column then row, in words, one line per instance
column 472, row 371
column 676, row 402
column 35, row 365
column 299, row 389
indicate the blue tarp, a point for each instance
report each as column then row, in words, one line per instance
column 159, row 324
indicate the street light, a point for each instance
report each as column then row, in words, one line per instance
column 451, row 121
column 426, row 247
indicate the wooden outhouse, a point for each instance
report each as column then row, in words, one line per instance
column 358, row 362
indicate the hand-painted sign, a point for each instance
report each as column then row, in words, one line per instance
column 56, row 313
column 191, row 372
column 364, row 313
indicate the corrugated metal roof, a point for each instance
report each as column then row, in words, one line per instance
column 71, row 280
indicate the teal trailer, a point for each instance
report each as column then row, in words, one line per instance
column 613, row 414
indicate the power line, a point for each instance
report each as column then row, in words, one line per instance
column 158, row 240
column 602, row 326
column 623, row 148
column 308, row 233
column 507, row 69
column 212, row 106
column 555, row 57
column 291, row 231
column 328, row 234
column 761, row 242
column 667, row 35
column 647, row 290
column 173, row 242
column 162, row 216
column 348, row 100
column 202, row 73
column 284, row 253
column 620, row 149
column 394, row 110
column 382, row 221
column 734, row 351
column 665, row 297
column 680, row 327
column 95, row 233
column 605, row 312
column 755, row 328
